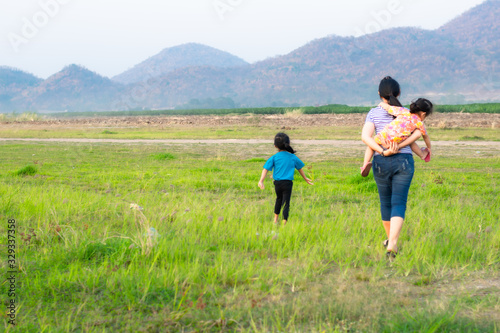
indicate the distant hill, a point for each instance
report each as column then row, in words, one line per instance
column 477, row 28
column 170, row 59
column 74, row 88
column 444, row 65
column 13, row 83
column 455, row 64
column 478, row 32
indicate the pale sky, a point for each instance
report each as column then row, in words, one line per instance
column 110, row 36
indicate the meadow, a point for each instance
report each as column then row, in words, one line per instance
column 232, row 132
column 214, row 262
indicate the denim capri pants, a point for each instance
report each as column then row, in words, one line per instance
column 393, row 175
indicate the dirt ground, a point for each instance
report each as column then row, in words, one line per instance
column 441, row 120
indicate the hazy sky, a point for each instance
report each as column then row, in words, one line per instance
column 110, row 36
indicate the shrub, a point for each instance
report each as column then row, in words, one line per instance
column 256, row 159
column 28, row 170
column 163, row 156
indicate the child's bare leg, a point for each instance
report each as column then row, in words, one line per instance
column 276, row 216
column 368, row 156
column 416, row 149
column 365, row 169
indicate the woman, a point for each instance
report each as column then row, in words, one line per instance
column 393, row 165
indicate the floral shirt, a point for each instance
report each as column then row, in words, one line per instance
column 401, row 127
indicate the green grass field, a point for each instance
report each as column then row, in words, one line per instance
column 234, row 132
column 88, row 264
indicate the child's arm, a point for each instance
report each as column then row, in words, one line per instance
column 412, row 138
column 301, row 171
column 393, row 110
column 262, row 177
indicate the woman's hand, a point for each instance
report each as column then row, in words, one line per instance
column 393, row 148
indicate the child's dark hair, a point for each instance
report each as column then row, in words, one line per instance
column 422, row 105
column 390, row 90
column 282, row 142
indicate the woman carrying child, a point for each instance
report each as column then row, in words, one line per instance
column 393, row 166
column 406, row 122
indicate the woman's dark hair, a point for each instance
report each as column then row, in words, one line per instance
column 282, row 142
column 422, row 105
column 390, row 90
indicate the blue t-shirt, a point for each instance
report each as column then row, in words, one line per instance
column 284, row 164
column 381, row 118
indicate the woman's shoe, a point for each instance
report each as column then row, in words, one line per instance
column 385, row 243
column 391, row 255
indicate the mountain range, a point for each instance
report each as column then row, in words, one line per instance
column 456, row 63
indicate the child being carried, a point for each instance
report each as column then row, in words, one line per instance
column 406, row 122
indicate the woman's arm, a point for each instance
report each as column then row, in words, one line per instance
column 367, row 137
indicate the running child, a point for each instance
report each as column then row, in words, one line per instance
column 406, row 122
column 284, row 164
